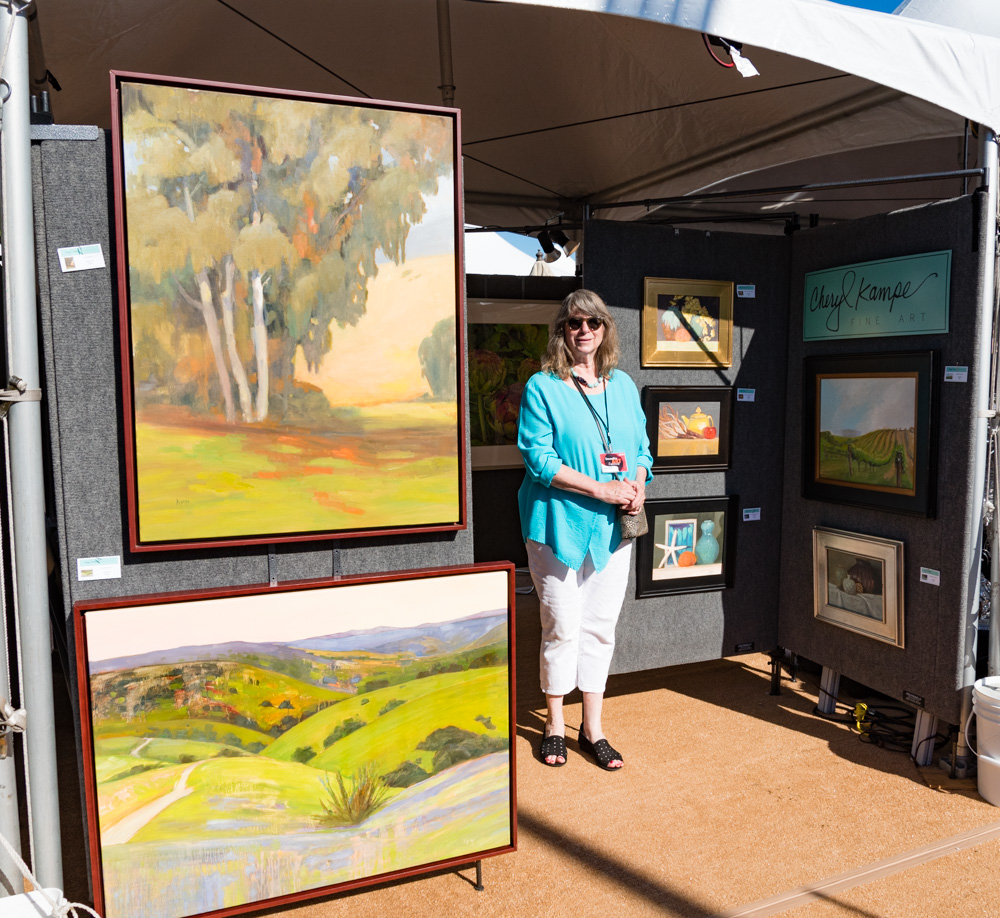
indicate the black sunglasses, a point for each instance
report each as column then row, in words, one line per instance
column 576, row 323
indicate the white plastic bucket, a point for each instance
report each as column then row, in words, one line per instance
column 986, row 704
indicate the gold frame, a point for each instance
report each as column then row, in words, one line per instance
column 888, row 553
column 660, row 353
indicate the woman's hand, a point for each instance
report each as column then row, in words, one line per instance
column 635, row 505
column 619, row 493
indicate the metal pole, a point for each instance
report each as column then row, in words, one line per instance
column 447, row 86
column 27, row 482
column 987, row 160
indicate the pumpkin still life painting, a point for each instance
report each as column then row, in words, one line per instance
column 251, row 749
column 289, row 280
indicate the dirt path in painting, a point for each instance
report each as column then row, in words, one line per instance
column 125, row 829
column 138, row 749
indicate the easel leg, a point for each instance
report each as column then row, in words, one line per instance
column 479, row 877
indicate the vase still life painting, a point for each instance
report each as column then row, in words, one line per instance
column 690, row 546
column 858, row 583
column 507, row 340
column 289, row 277
column 687, row 323
column 249, row 750
column 869, row 430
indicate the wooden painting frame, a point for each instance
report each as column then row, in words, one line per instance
column 894, row 391
column 659, row 574
column 191, row 759
column 858, row 584
column 505, row 349
column 674, row 305
column 701, row 441
column 293, row 361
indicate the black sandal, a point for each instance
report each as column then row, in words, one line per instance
column 554, row 745
column 602, row 751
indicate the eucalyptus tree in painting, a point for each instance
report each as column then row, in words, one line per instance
column 277, row 314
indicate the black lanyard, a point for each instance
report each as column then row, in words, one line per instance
column 602, row 425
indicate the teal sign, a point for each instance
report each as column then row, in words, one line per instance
column 875, row 299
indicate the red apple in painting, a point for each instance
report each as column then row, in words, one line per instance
column 709, row 433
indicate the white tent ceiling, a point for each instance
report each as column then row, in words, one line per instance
column 563, row 105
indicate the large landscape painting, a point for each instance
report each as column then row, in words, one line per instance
column 247, row 749
column 291, row 321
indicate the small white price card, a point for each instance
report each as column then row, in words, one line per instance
column 745, row 395
column 81, row 257
column 956, row 374
column 928, row 575
column 107, row 568
column 746, row 291
column 751, row 515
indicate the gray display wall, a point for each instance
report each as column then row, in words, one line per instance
column 666, row 630
column 79, row 325
column 930, row 665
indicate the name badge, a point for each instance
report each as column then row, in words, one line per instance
column 613, row 462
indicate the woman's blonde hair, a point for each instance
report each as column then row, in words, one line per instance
column 558, row 358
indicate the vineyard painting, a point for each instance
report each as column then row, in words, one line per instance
column 262, row 748
column 869, row 430
column 290, row 314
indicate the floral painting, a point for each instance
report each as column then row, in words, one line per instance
column 507, row 340
column 246, row 749
column 289, row 292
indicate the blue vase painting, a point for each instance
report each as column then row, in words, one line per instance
column 707, row 547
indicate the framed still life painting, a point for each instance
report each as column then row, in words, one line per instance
column 690, row 546
column 869, row 430
column 507, row 340
column 689, row 427
column 291, row 314
column 858, row 583
column 250, row 748
column 687, row 323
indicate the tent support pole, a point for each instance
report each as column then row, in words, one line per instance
column 988, row 253
column 27, row 481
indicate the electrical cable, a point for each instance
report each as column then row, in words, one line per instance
column 715, row 58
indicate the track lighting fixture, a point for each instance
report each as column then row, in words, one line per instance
column 564, row 242
column 548, row 247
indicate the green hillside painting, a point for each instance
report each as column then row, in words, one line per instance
column 246, row 749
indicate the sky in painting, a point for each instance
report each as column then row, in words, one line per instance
column 864, row 404
column 295, row 615
column 880, row 6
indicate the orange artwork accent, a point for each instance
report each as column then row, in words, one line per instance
column 687, row 559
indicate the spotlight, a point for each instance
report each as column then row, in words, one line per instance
column 792, row 225
column 548, row 247
column 561, row 239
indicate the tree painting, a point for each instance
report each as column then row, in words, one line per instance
column 245, row 749
column 291, row 308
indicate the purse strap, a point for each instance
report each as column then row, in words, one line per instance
column 593, row 411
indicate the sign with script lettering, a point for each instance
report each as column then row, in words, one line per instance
column 875, row 299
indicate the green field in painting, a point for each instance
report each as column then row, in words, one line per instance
column 199, row 481
column 872, row 462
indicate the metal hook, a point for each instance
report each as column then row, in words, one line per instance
column 6, row 96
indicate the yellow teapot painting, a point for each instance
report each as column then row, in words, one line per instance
column 700, row 423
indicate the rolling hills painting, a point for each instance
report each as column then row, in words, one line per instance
column 255, row 749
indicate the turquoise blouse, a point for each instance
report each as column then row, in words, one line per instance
column 556, row 428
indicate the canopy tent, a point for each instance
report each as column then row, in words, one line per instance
column 597, row 101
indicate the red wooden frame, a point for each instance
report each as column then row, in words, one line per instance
column 80, row 610
column 136, row 544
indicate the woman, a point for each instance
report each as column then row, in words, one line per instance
column 569, row 502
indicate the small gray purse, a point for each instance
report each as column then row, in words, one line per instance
column 631, row 525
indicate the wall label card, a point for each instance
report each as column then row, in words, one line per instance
column 956, row 374
column 746, row 291
column 745, row 395
column 81, row 258
column 751, row 515
column 931, row 576
column 878, row 299
column 108, row 568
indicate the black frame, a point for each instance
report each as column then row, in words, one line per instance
column 922, row 364
column 646, row 585
column 654, row 396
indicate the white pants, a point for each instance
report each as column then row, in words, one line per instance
column 579, row 612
